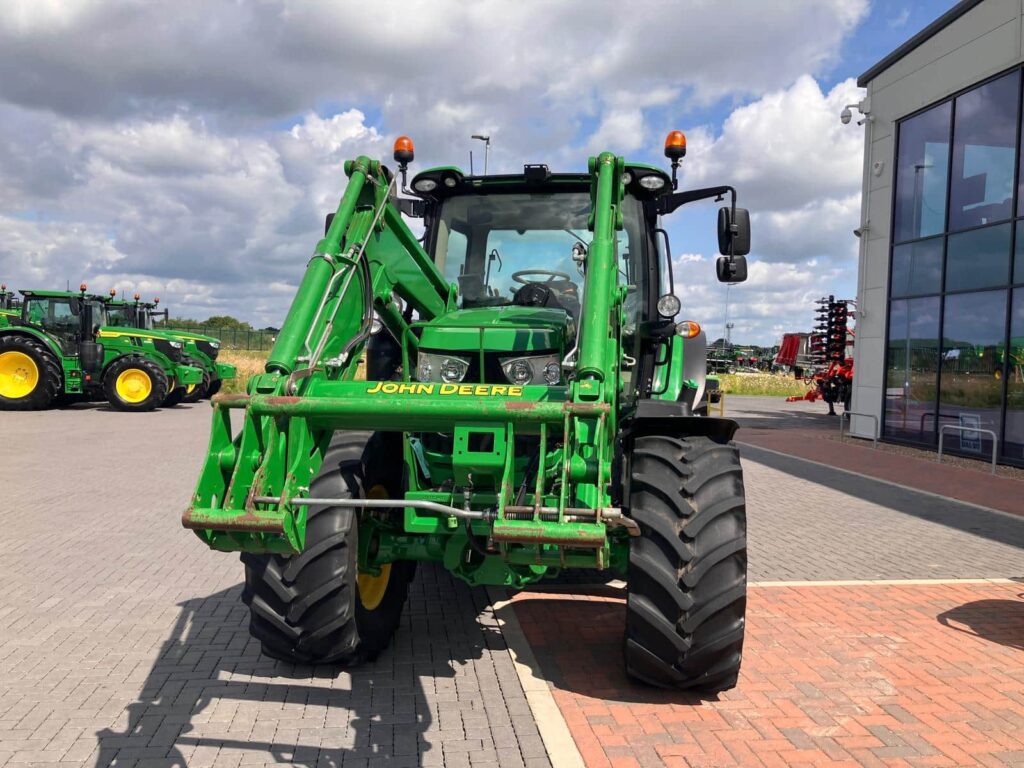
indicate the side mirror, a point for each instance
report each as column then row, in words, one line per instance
column 733, row 236
column 731, row 270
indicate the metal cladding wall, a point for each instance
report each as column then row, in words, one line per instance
column 982, row 41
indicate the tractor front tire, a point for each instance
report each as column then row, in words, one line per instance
column 315, row 607
column 214, row 388
column 175, row 397
column 30, row 376
column 687, row 588
column 135, row 384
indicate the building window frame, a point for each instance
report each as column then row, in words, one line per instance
column 1015, row 221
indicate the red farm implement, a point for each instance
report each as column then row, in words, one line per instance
column 828, row 371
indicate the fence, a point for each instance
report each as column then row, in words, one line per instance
column 236, row 338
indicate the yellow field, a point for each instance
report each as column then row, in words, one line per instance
column 248, row 364
column 767, row 384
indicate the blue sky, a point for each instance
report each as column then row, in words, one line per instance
column 194, row 158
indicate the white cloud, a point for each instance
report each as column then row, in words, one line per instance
column 198, row 155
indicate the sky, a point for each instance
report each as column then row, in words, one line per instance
column 191, row 150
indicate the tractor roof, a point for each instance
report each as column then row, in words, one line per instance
column 53, row 294
column 449, row 181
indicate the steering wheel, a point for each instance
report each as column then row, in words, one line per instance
column 549, row 273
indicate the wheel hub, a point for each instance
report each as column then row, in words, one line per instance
column 133, row 385
column 18, row 375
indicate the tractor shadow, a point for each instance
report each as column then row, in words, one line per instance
column 591, row 665
column 211, row 689
column 997, row 621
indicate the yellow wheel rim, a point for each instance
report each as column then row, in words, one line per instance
column 372, row 588
column 133, row 385
column 19, row 375
column 190, row 389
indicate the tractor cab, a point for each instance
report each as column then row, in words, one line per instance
column 516, row 249
column 9, row 303
column 72, row 318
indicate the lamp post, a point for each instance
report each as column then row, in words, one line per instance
column 486, row 139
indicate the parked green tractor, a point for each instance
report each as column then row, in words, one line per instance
column 528, row 411
column 200, row 350
column 9, row 304
column 58, row 348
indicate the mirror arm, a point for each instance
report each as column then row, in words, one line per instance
column 668, row 203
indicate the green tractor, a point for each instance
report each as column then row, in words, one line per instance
column 200, row 350
column 527, row 410
column 9, row 304
column 59, row 349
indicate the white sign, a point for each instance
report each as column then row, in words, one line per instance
column 970, row 441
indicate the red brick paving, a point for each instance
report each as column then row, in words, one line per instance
column 865, row 675
column 968, row 485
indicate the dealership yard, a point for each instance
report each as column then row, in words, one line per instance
column 124, row 641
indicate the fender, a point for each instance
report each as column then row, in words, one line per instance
column 28, row 330
column 663, row 417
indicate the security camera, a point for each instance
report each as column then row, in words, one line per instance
column 846, row 116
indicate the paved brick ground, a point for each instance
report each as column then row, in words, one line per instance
column 807, row 522
column 123, row 640
column 840, row 676
column 806, row 430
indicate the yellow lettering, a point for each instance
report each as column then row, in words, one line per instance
column 465, row 389
column 425, row 389
column 449, row 389
column 389, row 388
column 515, row 391
column 482, row 390
column 499, row 389
column 407, row 389
column 374, row 389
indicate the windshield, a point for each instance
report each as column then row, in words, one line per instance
column 492, row 246
column 119, row 316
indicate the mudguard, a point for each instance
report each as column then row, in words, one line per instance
column 663, row 417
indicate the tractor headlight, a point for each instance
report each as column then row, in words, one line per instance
column 539, row 369
column 652, row 181
column 447, row 368
column 175, row 344
column 518, row 371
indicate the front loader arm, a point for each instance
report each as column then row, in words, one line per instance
column 367, row 255
column 244, row 499
column 367, row 236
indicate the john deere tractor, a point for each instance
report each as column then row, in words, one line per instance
column 58, row 348
column 528, row 410
column 200, row 350
column 9, row 304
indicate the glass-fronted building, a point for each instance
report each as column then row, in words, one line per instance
column 941, row 293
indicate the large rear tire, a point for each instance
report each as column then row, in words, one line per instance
column 30, row 376
column 315, row 607
column 686, row 604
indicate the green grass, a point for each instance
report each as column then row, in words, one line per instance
column 765, row 384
